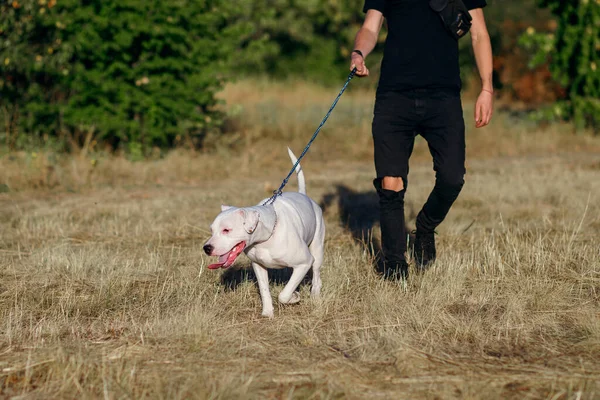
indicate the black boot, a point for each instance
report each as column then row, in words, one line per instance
column 396, row 271
column 393, row 232
column 432, row 214
column 424, row 249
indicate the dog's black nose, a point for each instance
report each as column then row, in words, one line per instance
column 208, row 248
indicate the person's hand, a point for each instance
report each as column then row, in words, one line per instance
column 484, row 108
column 359, row 62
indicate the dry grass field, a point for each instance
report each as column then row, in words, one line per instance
column 104, row 291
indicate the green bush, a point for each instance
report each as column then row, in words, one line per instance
column 297, row 38
column 128, row 72
column 573, row 54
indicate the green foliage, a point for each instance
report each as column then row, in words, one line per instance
column 131, row 72
column 307, row 38
column 312, row 39
column 136, row 74
column 573, row 53
column 539, row 45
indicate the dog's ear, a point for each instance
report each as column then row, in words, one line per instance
column 251, row 219
column 225, row 208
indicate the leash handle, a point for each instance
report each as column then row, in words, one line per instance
column 278, row 192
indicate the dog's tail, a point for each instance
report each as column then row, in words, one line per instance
column 301, row 183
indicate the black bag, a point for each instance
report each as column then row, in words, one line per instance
column 454, row 15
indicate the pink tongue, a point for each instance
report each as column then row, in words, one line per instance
column 228, row 258
column 222, row 261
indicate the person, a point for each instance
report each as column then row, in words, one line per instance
column 419, row 93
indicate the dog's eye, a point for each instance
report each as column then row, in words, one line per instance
column 226, row 231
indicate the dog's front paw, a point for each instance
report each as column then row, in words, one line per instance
column 268, row 313
column 293, row 299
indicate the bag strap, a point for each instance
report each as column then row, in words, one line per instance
column 438, row 5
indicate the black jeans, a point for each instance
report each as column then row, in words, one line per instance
column 398, row 118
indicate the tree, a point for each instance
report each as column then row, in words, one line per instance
column 135, row 73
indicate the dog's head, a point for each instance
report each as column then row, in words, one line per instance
column 231, row 233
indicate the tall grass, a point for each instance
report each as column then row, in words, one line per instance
column 104, row 290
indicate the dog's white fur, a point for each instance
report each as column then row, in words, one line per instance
column 288, row 233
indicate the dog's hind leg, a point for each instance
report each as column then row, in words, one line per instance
column 316, row 249
column 262, row 277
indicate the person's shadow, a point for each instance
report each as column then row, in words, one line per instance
column 359, row 213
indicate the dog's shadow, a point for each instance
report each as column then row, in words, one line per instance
column 233, row 277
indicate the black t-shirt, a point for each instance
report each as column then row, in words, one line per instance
column 419, row 52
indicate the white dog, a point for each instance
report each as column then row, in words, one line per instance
column 288, row 233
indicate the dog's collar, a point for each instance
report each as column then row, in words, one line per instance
column 274, row 226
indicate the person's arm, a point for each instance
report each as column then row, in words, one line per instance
column 365, row 41
column 482, row 48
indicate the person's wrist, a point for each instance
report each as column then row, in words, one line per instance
column 490, row 91
column 356, row 51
